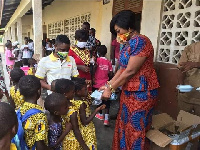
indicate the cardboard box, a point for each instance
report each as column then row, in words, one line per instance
column 176, row 134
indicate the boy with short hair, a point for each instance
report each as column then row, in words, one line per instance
column 8, row 126
column 35, row 127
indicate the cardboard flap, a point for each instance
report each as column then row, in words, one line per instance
column 161, row 121
column 158, row 138
column 187, row 118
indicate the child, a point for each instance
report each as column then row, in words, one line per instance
column 4, row 96
column 16, row 99
column 35, row 127
column 33, row 64
column 102, row 74
column 8, row 126
column 25, row 67
column 79, row 115
column 57, row 105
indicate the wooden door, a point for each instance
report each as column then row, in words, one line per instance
column 134, row 5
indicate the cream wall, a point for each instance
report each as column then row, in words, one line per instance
column 100, row 15
column 150, row 25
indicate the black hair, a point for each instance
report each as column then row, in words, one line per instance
column 62, row 39
column 81, row 35
column 79, row 83
column 8, row 118
column 102, row 50
column 93, row 30
column 87, row 24
column 63, row 86
column 53, row 41
column 50, row 41
column 124, row 19
column 8, row 41
column 16, row 74
column 29, row 85
column 31, row 60
column 25, row 61
column 30, row 40
column 53, row 102
column 8, row 44
column 53, row 84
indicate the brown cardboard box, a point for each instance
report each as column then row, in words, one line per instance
column 175, row 134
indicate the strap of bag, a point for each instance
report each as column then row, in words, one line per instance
column 30, row 113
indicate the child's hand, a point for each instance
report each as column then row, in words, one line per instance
column 101, row 107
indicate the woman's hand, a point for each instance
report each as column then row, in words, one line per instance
column 102, row 88
column 106, row 94
column 84, row 68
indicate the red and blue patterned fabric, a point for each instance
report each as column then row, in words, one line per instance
column 138, row 98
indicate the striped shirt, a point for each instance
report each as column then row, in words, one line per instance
column 52, row 68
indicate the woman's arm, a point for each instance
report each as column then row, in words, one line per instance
column 86, row 120
column 77, row 133
column 134, row 64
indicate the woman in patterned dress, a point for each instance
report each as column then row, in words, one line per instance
column 139, row 84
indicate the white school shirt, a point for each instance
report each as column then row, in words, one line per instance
column 52, row 68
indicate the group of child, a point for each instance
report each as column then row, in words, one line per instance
column 66, row 122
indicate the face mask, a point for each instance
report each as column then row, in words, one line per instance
column 35, row 66
column 122, row 37
column 62, row 55
column 81, row 44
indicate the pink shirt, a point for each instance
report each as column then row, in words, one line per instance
column 117, row 48
column 104, row 66
column 25, row 69
column 7, row 55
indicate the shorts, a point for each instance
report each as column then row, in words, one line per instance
column 107, row 103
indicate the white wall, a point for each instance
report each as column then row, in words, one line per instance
column 150, row 25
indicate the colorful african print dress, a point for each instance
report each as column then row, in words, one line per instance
column 138, row 98
column 88, row 132
column 82, row 57
column 17, row 97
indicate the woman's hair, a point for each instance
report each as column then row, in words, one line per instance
column 29, row 85
column 63, row 86
column 124, row 19
column 81, row 35
column 79, row 83
column 102, row 50
column 16, row 74
column 8, row 118
column 53, row 102
column 62, row 39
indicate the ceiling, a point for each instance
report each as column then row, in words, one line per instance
column 11, row 5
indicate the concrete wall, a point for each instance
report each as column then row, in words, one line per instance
column 150, row 25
